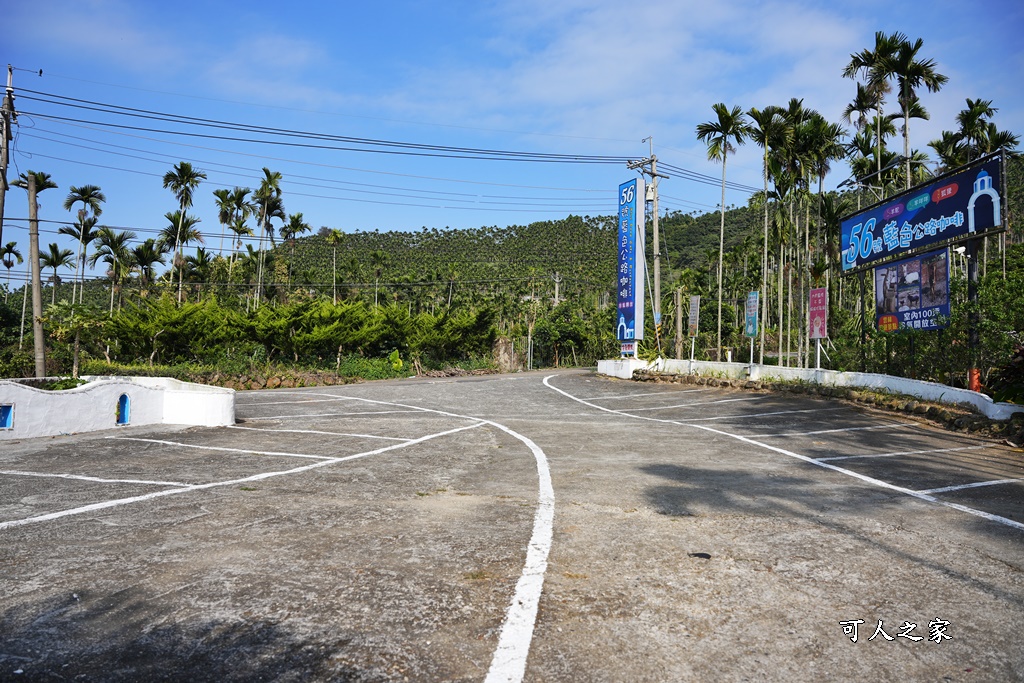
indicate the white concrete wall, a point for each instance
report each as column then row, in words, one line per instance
column 93, row 406
column 928, row 391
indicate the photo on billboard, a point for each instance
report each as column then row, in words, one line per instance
column 960, row 204
column 913, row 293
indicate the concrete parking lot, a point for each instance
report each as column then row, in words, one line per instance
column 552, row 526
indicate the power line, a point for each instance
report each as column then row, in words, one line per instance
column 208, row 164
column 367, row 144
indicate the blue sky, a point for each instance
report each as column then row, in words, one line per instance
column 572, row 77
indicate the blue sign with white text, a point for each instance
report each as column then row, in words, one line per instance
column 630, row 282
column 957, row 205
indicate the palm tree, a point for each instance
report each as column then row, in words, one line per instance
column 973, row 121
column 146, row 256
column 721, row 136
column 231, row 205
column 176, row 235
column 269, row 204
column 870, row 63
column 289, row 231
column 43, row 181
column 994, row 139
column 8, row 253
column 225, row 212
column 770, row 131
column 90, row 197
column 911, row 73
column 240, row 229
column 199, row 266
column 56, row 258
column 864, row 103
column 83, row 233
column 112, row 249
column 334, row 237
column 182, row 180
column 378, row 259
column 951, row 150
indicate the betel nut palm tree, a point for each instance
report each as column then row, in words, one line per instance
column 90, row 197
column 334, row 238
column 721, row 135
column 57, row 258
column 8, row 253
column 770, row 131
column 112, row 248
column 182, row 180
column 911, row 73
column 269, row 205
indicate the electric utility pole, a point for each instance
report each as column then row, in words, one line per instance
column 649, row 166
column 7, row 117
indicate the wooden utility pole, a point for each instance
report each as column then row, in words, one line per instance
column 38, row 342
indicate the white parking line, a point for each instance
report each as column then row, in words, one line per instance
column 656, row 393
column 947, row 489
column 898, row 453
column 305, row 415
column 217, row 484
column 695, row 403
column 744, row 417
column 220, row 448
column 509, row 662
column 281, row 403
column 835, row 468
column 314, row 431
column 894, row 425
column 96, row 479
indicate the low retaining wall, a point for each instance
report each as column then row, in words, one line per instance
column 100, row 404
column 928, row 391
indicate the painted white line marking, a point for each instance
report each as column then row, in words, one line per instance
column 894, row 425
column 233, row 482
column 220, row 448
column 946, row 489
column 509, row 662
column 314, row 431
column 305, row 415
column 281, row 403
column 646, row 395
column 695, row 403
column 850, row 473
column 743, row 417
column 96, row 479
column 893, row 455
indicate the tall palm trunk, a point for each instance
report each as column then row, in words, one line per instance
column 721, row 247
column 178, row 258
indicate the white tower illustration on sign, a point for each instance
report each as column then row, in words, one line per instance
column 983, row 186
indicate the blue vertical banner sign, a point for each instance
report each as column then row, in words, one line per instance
column 630, row 281
column 750, row 328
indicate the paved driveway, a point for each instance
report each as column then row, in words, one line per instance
column 541, row 526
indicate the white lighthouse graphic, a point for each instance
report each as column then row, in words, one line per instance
column 983, row 186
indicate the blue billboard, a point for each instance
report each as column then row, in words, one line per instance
column 960, row 204
column 631, row 261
